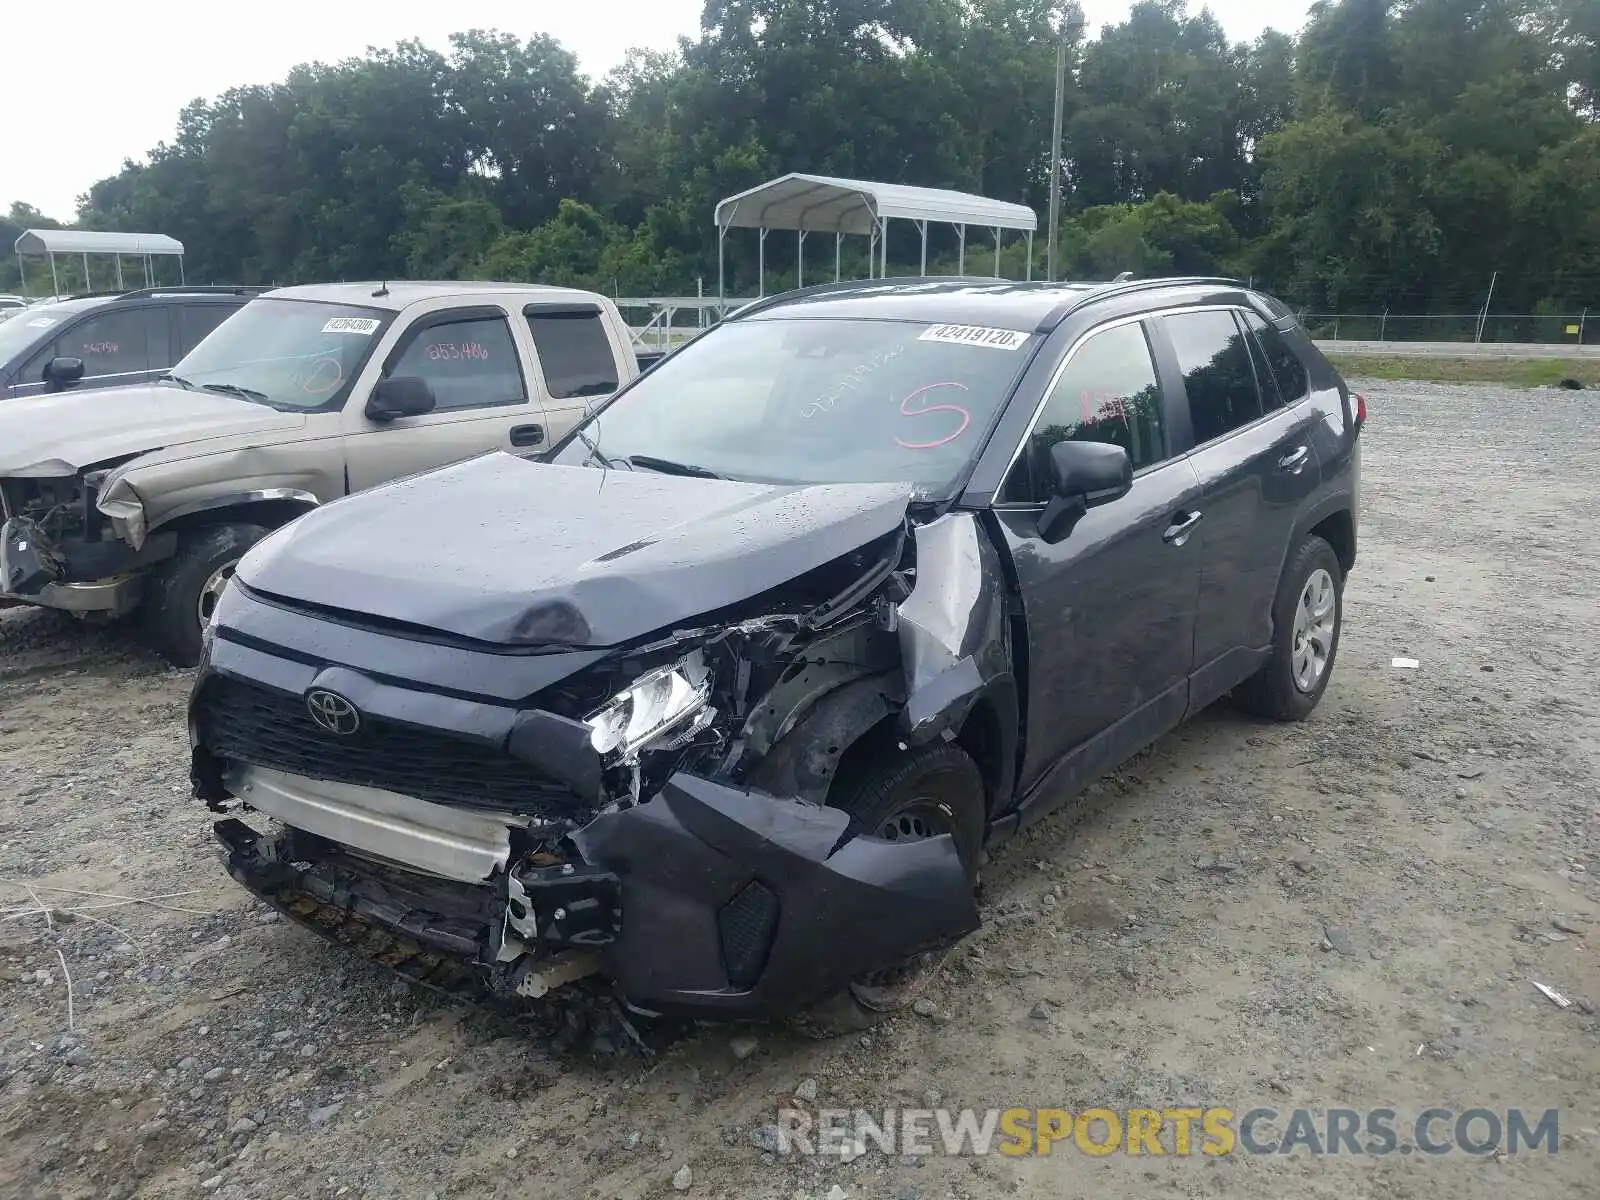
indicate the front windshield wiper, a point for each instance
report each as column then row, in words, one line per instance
column 233, row 389
column 185, row 384
column 667, row 467
column 595, row 452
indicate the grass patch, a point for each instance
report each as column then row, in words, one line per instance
column 1513, row 372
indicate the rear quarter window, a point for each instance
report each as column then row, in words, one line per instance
column 1287, row 369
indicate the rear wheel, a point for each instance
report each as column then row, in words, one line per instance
column 903, row 796
column 182, row 593
column 1307, row 616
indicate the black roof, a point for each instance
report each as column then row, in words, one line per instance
column 1007, row 303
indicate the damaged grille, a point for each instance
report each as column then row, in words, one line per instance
column 60, row 506
column 267, row 728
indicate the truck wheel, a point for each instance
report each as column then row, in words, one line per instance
column 182, row 592
column 1307, row 616
column 927, row 792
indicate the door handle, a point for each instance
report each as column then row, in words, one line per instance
column 527, row 435
column 1182, row 526
column 1294, row 461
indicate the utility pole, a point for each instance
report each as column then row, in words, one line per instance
column 1055, row 157
column 1483, row 317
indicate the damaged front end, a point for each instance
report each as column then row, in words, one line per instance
column 59, row 549
column 656, row 814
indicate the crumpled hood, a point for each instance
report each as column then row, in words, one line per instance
column 505, row 551
column 63, row 432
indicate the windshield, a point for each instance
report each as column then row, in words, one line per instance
column 815, row 400
column 290, row 354
column 25, row 329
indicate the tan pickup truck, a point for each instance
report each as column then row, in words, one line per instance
column 145, row 498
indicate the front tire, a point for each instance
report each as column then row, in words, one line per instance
column 1307, row 618
column 900, row 796
column 181, row 593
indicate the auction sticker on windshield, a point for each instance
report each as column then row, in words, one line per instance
column 975, row 335
column 362, row 325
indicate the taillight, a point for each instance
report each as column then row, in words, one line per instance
column 1361, row 410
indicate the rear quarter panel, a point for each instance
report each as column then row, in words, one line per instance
column 1334, row 435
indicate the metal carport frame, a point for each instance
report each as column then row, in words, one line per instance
column 825, row 204
column 143, row 246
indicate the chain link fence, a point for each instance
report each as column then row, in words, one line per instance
column 1568, row 329
column 662, row 321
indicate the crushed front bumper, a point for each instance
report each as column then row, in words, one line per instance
column 75, row 575
column 705, row 901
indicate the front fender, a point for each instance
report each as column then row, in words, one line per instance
column 952, row 627
column 143, row 497
column 295, row 496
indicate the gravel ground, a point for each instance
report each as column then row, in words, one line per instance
column 1343, row 913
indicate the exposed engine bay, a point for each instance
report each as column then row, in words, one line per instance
column 56, row 535
column 658, row 816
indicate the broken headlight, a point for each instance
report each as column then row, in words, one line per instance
column 653, row 705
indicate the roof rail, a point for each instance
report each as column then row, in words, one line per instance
column 1074, row 298
column 1155, row 281
column 1122, row 287
column 856, row 285
column 190, row 290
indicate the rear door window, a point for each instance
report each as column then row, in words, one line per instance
column 1219, row 377
column 1108, row 392
column 1287, row 370
column 574, row 352
column 195, row 321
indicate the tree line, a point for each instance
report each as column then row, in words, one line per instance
column 1394, row 156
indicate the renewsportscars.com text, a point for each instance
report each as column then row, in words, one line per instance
column 1178, row 1131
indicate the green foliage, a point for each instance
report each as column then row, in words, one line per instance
column 1395, row 155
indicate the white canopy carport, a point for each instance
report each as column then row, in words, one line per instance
column 825, row 204
column 143, row 246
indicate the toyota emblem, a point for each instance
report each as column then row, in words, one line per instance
column 332, row 712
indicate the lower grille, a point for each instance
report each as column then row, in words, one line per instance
column 251, row 724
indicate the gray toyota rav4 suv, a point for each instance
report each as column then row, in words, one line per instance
column 715, row 708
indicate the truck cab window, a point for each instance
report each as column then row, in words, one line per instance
column 574, row 353
column 469, row 364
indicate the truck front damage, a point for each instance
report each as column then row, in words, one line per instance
column 60, row 549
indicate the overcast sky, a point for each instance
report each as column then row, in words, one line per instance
column 91, row 84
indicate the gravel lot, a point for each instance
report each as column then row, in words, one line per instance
column 1347, row 912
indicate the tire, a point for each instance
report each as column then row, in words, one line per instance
column 942, row 777
column 172, row 608
column 1284, row 689
column 925, row 792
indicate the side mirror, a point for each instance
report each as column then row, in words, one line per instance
column 62, row 373
column 1082, row 475
column 399, row 396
